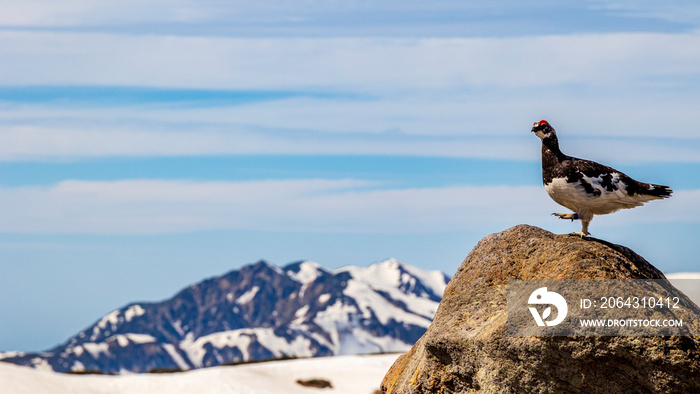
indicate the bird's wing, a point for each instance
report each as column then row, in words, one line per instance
column 615, row 186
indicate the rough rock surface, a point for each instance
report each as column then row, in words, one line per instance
column 467, row 347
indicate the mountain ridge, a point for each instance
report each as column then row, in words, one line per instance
column 259, row 311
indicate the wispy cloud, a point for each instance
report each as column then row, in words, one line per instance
column 348, row 18
column 630, row 85
column 50, row 144
column 87, row 13
column 155, row 206
column 364, row 65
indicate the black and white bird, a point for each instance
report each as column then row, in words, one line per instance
column 586, row 187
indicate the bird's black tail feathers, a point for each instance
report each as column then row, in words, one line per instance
column 657, row 191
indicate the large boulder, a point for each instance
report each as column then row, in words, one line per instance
column 467, row 348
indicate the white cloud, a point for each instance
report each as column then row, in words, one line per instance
column 90, row 13
column 360, row 65
column 349, row 17
column 465, row 97
column 275, row 16
column 36, row 144
column 170, row 138
column 156, row 206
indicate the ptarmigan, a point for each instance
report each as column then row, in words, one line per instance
column 586, row 187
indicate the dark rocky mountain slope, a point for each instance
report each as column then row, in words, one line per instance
column 254, row 313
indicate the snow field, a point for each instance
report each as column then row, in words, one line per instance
column 348, row 374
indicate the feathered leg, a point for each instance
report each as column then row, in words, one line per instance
column 585, row 221
column 584, row 229
column 572, row 216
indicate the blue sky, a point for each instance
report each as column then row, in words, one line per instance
column 147, row 145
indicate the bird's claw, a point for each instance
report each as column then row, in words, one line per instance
column 572, row 216
column 580, row 234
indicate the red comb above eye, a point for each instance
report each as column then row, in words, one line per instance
column 543, row 122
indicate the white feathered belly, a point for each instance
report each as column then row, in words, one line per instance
column 575, row 197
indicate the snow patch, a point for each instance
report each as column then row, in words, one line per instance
column 133, row 311
column 41, row 364
column 433, row 279
column 95, row 349
column 77, row 366
column 362, row 342
column 78, row 350
column 241, row 339
column 323, row 298
column 111, row 318
column 420, row 311
column 683, row 275
column 177, row 325
column 385, row 273
column 308, row 272
column 247, row 296
column 123, row 339
column 11, row 354
column 334, row 319
column 300, row 315
column 177, row 358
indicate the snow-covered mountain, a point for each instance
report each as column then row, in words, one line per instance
column 258, row 312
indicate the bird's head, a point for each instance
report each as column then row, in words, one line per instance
column 543, row 129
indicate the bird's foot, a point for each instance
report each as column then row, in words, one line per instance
column 580, row 234
column 572, row 216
